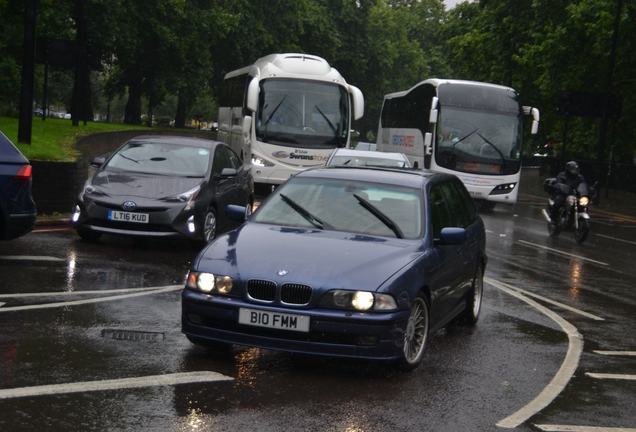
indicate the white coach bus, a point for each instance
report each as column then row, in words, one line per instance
column 286, row 113
column 471, row 129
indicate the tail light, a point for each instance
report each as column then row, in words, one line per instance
column 24, row 174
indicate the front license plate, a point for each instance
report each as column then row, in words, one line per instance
column 276, row 320
column 121, row 216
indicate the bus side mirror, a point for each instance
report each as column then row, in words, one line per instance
column 358, row 102
column 432, row 118
column 428, row 143
column 535, row 121
column 247, row 124
column 252, row 95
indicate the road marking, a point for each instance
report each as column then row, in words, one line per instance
column 616, row 353
column 159, row 290
column 617, row 239
column 30, row 258
column 560, row 252
column 115, row 384
column 563, row 375
column 72, row 293
column 547, row 300
column 611, row 376
column 2, row 304
column 572, row 428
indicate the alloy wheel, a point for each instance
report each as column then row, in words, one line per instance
column 416, row 333
column 209, row 227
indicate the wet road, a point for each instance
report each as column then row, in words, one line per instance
column 554, row 347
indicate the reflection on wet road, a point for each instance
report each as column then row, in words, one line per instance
column 116, row 322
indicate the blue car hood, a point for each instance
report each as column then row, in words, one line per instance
column 322, row 259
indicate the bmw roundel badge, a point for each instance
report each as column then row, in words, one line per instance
column 282, row 272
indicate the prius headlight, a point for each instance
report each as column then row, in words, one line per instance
column 358, row 300
column 186, row 197
column 210, row 283
column 584, row 201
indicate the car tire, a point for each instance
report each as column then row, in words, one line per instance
column 415, row 335
column 210, row 345
column 88, row 235
column 209, row 227
column 470, row 315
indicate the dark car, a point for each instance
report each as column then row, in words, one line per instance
column 163, row 186
column 350, row 262
column 17, row 209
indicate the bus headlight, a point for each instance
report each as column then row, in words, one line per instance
column 503, row 188
column 261, row 162
column 584, row 201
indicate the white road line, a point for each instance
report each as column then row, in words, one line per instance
column 563, row 375
column 2, row 304
column 93, row 300
column 30, row 258
column 547, row 300
column 617, row 239
column 560, row 252
column 611, row 376
column 616, row 353
column 572, row 428
column 115, row 384
column 73, row 293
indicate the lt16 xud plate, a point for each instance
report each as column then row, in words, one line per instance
column 121, row 216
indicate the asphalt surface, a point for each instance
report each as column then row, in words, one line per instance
column 470, row 380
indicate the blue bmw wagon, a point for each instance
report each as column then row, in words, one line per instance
column 344, row 262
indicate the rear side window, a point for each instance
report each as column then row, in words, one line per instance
column 459, row 215
column 471, row 210
column 8, row 152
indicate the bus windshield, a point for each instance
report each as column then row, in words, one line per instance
column 478, row 142
column 302, row 113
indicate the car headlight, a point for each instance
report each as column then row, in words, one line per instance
column 186, row 197
column 358, row 300
column 210, row 283
column 261, row 162
column 584, row 201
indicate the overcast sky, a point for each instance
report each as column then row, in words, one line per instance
column 451, row 3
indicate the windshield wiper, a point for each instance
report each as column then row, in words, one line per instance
column 274, row 110
column 381, row 216
column 333, row 128
column 303, row 212
column 463, row 138
column 128, row 157
column 501, row 155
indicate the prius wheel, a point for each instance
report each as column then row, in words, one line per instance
column 415, row 335
column 473, row 300
column 209, row 226
column 88, row 235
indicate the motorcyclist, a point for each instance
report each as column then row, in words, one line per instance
column 566, row 183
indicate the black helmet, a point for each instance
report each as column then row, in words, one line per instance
column 572, row 168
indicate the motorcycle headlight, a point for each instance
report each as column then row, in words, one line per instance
column 210, row 283
column 358, row 300
column 584, row 201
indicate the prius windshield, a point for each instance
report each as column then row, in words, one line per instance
column 345, row 205
column 161, row 159
column 302, row 113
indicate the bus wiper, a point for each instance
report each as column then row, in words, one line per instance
column 303, row 212
column 501, row 155
column 463, row 138
column 333, row 128
column 274, row 110
column 381, row 216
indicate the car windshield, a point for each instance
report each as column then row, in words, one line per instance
column 478, row 142
column 345, row 205
column 161, row 159
column 302, row 113
column 366, row 161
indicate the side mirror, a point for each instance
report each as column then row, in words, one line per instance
column 237, row 213
column 416, row 165
column 252, row 95
column 358, row 102
column 98, row 161
column 452, row 236
column 247, row 125
column 428, row 143
column 228, row 172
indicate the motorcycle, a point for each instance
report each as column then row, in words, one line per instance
column 573, row 214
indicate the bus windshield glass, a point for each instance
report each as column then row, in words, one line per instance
column 302, row 113
column 478, row 142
